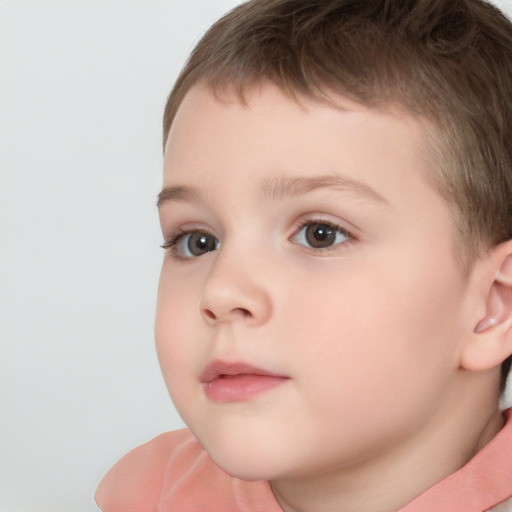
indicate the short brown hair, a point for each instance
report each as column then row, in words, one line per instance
column 449, row 61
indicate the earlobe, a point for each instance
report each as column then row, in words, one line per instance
column 491, row 342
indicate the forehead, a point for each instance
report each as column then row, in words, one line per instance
column 272, row 135
column 255, row 96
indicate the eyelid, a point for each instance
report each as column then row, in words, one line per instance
column 327, row 218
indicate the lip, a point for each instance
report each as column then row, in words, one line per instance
column 225, row 382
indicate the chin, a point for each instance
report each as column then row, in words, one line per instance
column 246, row 461
column 244, row 444
column 241, row 468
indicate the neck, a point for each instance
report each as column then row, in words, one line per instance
column 390, row 480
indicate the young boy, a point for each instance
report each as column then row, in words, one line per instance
column 334, row 319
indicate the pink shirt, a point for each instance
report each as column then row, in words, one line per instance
column 172, row 473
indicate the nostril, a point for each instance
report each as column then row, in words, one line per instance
column 209, row 314
column 242, row 312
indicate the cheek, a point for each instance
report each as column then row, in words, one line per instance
column 377, row 326
column 177, row 315
column 374, row 343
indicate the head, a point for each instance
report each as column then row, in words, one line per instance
column 431, row 83
column 448, row 61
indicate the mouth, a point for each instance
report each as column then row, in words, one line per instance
column 236, row 382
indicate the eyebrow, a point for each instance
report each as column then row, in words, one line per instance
column 177, row 194
column 277, row 188
column 281, row 187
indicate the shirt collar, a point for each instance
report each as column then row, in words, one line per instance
column 485, row 481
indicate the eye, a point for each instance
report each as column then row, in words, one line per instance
column 191, row 244
column 321, row 235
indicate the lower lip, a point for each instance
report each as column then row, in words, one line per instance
column 238, row 388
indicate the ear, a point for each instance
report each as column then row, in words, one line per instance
column 491, row 340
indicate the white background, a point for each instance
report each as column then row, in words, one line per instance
column 83, row 84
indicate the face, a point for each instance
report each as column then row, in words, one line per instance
column 310, row 306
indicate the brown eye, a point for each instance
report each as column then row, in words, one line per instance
column 196, row 244
column 320, row 235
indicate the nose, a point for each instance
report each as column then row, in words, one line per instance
column 235, row 291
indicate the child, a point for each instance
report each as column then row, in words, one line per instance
column 334, row 318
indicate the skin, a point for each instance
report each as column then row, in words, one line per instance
column 370, row 332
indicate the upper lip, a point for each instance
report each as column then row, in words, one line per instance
column 217, row 368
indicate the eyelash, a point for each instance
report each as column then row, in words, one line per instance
column 171, row 244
